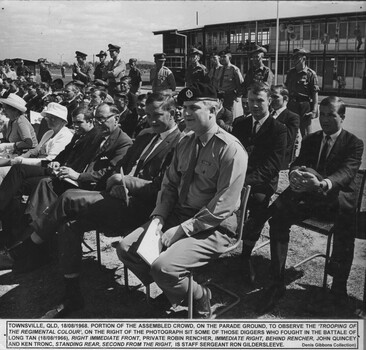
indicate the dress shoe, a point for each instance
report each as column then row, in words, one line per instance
column 66, row 307
column 270, row 298
column 248, row 274
column 202, row 306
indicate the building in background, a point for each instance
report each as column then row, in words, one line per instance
column 336, row 42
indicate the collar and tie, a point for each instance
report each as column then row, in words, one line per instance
column 323, row 155
column 189, row 175
column 256, row 126
column 146, row 154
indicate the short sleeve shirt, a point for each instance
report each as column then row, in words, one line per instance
column 303, row 83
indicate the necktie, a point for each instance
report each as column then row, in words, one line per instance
column 145, row 154
column 222, row 77
column 323, row 155
column 254, row 133
column 188, row 177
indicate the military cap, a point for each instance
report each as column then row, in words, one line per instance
column 41, row 60
column 78, row 83
column 125, row 78
column 197, row 92
column 112, row 47
column 132, row 60
column 300, row 52
column 224, row 52
column 258, row 49
column 195, row 51
column 100, row 82
column 160, row 56
column 101, row 54
column 80, row 54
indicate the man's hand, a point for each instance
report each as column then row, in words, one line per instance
column 16, row 160
column 119, row 192
column 115, row 179
column 68, row 173
column 311, row 115
column 172, row 235
column 303, row 181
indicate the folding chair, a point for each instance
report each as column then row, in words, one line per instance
column 242, row 212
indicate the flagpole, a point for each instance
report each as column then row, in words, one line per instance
column 277, row 41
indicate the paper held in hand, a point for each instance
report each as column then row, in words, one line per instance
column 151, row 246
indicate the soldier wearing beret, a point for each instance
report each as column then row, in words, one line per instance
column 302, row 83
column 82, row 71
column 98, row 73
column 196, row 204
column 196, row 72
column 161, row 77
column 135, row 76
column 230, row 80
column 46, row 76
column 115, row 69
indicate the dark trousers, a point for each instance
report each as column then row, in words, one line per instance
column 20, row 180
column 301, row 108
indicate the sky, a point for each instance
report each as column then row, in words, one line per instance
column 56, row 29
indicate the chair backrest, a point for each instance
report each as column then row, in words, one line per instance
column 241, row 219
column 360, row 217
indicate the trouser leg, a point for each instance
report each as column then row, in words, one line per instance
column 170, row 271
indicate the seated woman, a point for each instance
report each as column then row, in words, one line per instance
column 18, row 131
column 51, row 144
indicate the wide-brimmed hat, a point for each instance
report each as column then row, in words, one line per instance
column 101, row 54
column 300, row 52
column 15, row 101
column 257, row 49
column 57, row 110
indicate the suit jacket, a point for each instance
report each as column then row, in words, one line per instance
column 81, row 150
column 224, row 119
column 146, row 183
column 341, row 165
column 292, row 122
column 266, row 152
column 128, row 121
column 105, row 160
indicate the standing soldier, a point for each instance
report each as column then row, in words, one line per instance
column 135, row 75
column 303, row 87
column 115, row 69
column 161, row 77
column 258, row 72
column 196, row 72
column 215, row 70
column 46, row 76
column 63, row 72
column 82, row 70
column 98, row 73
column 230, row 80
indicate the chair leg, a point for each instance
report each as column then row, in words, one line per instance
column 99, row 257
column 125, row 273
column 190, row 296
column 327, row 258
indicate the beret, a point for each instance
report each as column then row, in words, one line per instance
column 197, row 92
column 300, row 51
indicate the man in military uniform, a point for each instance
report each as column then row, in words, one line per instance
column 196, row 205
column 115, row 70
column 22, row 70
column 82, row 70
column 215, row 70
column 230, row 80
column 258, row 72
column 302, row 83
column 161, row 77
column 196, row 72
column 98, row 73
column 135, row 75
column 46, row 76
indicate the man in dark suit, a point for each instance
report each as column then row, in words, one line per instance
column 321, row 184
column 280, row 97
column 127, row 202
column 265, row 140
column 224, row 117
column 22, row 179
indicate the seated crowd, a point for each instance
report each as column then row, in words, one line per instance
column 108, row 158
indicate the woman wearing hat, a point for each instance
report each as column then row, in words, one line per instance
column 18, row 131
column 51, row 144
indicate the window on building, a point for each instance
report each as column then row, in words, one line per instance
column 349, row 67
column 341, row 66
column 306, row 32
column 331, row 30
column 264, row 36
column 358, row 69
column 315, row 31
column 343, row 30
column 351, row 29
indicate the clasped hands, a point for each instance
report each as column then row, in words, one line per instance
column 303, row 181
